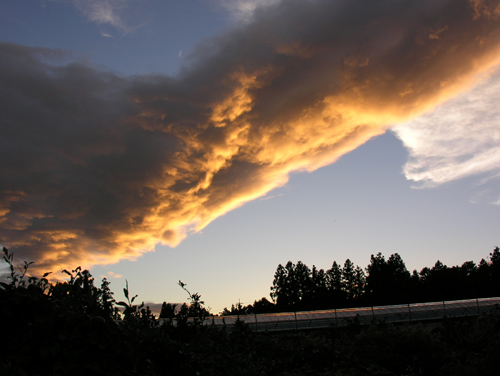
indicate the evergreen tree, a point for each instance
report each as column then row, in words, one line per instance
column 303, row 286
column 348, row 279
column 334, row 285
column 291, row 285
column 388, row 282
column 359, row 284
column 495, row 272
column 400, row 283
column 282, row 290
column 319, row 293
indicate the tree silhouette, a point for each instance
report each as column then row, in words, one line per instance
column 495, row 272
column 387, row 282
column 287, row 288
column 358, row 289
column 167, row 311
column 280, row 288
column 336, row 296
column 349, row 280
column 263, row 306
column 317, row 298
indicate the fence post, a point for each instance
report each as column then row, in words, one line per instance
column 444, row 309
column 409, row 311
column 336, row 319
column 295, row 320
column 477, row 303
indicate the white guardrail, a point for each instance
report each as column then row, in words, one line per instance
column 363, row 315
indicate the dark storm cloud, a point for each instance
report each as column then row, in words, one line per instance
column 96, row 167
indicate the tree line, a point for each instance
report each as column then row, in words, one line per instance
column 296, row 287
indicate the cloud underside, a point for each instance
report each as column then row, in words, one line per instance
column 97, row 168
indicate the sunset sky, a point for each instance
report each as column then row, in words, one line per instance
column 210, row 140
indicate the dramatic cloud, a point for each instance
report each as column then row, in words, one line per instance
column 458, row 139
column 97, row 168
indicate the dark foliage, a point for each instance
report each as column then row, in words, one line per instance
column 70, row 328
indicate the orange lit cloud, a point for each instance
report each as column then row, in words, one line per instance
column 112, row 275
column 97, row 168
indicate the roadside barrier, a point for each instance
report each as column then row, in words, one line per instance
column 363, row 315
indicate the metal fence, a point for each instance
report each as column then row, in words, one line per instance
column 362, row 315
